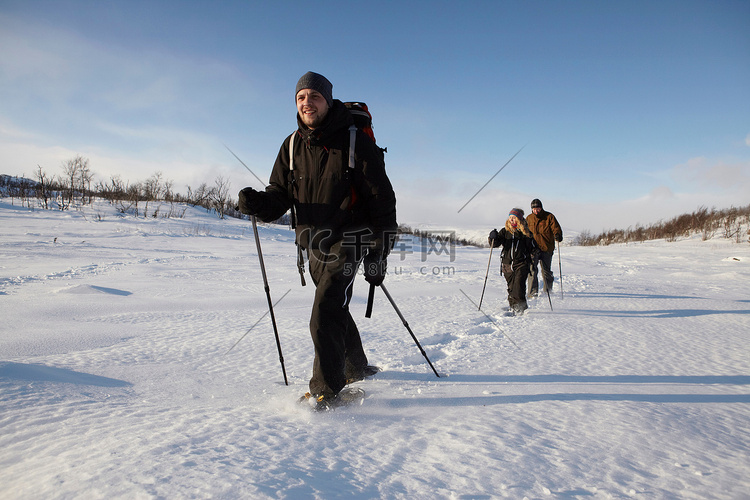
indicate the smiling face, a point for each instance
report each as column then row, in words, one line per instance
column 312, row 107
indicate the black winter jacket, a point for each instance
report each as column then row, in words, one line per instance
column 329, row 201
column 517, row 247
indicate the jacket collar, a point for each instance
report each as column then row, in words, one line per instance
column 338, row 119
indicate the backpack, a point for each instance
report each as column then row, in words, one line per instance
column 362, row 119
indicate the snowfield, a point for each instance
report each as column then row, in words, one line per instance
column 117, row 379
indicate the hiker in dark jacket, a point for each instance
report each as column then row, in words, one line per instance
column 518, row 246
column 342, row 216
column 546, row 231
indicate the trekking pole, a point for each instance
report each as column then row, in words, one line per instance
column 492, row 320
column 263, row 271
column 485, row 278
column 403, row 320
column 559, row 264
column 268, row 296
column 256, row 323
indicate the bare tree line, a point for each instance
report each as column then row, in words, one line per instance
column 443, row 237
column 731, row 223
column 75, row 187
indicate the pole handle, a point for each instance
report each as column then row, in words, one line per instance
column 370, row 300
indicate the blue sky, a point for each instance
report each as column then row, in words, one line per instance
column 628, row 112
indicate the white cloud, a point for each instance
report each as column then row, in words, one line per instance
column 705, row 173
column 660, row 193
column 29, row 56
column 131, row 112
column 9, row 131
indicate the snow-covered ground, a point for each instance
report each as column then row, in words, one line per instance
column 116, row 380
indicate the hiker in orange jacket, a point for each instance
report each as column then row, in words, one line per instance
column 546, row 231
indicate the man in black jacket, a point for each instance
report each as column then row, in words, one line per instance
column 344, row 212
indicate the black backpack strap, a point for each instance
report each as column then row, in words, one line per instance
column 300, row 255
column 301, row 264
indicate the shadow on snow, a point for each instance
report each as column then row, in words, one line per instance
column 42, row 373
column 533, row 398
column 565, row 380
column 657, row 313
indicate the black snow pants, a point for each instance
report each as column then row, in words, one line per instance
column 545, row 260
column 515, row 276
column 338, row 348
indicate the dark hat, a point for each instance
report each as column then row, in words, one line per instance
column 318, row 83
column 517, row 212
column 536, row 203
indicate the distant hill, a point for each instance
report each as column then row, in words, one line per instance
column 10, row 185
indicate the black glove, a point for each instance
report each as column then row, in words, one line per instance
column 558, row 237
column 250, row 201
column 375, row 267
column 382, row 242
column 492, row 237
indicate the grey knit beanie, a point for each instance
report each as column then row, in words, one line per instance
column 316, row 82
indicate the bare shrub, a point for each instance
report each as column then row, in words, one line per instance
column 703, row 221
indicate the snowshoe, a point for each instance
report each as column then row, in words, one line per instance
column 323, row 402
column 515, row 310
column 519, row 308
